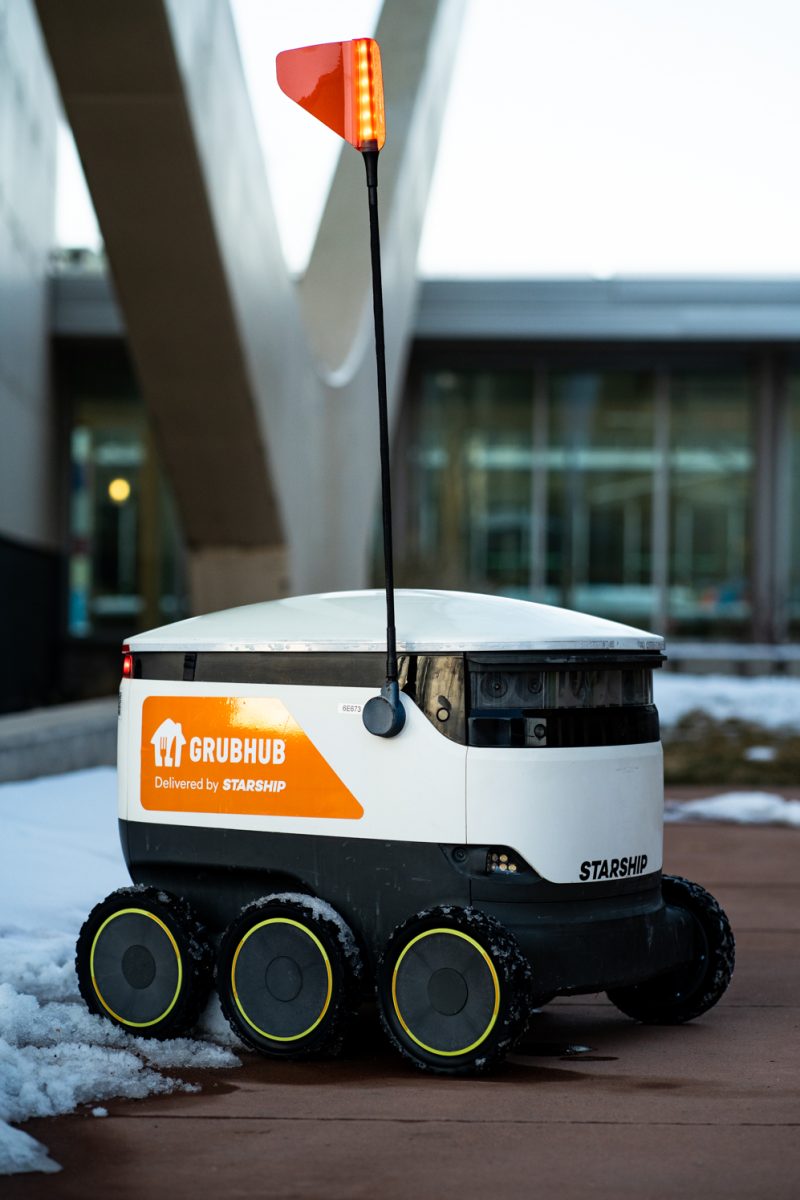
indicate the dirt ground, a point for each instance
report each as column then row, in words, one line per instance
column 592, row 1105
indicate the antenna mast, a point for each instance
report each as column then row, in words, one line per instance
column 341, row 84
column 383, row 715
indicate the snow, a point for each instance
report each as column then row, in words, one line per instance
column 19, row 1152
column 772, row 702
column 760, row 754
column 743, row 808
column 59, row 855
column 60, row 852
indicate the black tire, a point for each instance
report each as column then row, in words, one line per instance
column 453, row 991
column 144, row 963
column 694, row 988
column 288, row 976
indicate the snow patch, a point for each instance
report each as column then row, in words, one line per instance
column 42, row 965
column 213, row 1027
column 772, row 702
column 20, row 1153
column 59, row 856
column 743, row 808
column 760, row 754
column 60, row 850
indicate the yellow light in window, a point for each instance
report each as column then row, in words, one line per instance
column 119, row 490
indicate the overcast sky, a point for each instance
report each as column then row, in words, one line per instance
column 583, row 137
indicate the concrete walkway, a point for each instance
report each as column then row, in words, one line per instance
column 65, row 737
column 705, row 1110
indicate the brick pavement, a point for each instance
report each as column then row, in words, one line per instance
column 706, row 1110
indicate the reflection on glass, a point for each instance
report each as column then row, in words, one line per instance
column 600, row 463
column 792, row 517
column 125, row 563
column 478, row 475
column 711, row 462
column 470, row 466
column 517, row 688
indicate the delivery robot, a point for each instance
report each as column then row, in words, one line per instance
column 482, row 835
column 503, row 849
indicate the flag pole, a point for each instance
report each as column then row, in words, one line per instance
column 383, row 715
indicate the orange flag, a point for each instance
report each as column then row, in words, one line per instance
column 341, row 84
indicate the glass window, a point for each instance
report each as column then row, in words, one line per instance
column 126, row 568
column 435, row 682
column 600, row 462
column 793, row 516
column 711, row 462
column 516, row 688
column 470, row 460
column 609, row 473
column 527, row 705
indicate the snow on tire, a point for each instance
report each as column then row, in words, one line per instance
column 288, row 976
column 143, row 961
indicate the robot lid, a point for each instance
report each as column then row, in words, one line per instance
column 427, row 622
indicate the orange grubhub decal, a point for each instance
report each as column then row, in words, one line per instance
column 237, row 755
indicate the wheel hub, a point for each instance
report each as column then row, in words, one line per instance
column 447, row 991
column 138, row 967
column 283, row 979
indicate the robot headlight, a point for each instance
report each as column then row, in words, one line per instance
column 502, row 860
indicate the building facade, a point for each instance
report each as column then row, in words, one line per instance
column 624, row 448
column 628, row 448
column 31, row 529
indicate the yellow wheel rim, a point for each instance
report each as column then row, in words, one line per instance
column 274, row 1037
column 496, row 982
column 142, row 912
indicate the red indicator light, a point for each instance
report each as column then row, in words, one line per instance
column 127, row 665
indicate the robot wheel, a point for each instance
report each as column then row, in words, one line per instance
column 143, row 961
column 690, row 990
column 453, row 991
column 287, row 976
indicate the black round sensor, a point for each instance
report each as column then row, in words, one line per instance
column 384, row 715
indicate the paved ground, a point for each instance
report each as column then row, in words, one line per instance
column 706, row 1110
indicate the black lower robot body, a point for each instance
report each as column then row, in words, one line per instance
column 457, row 949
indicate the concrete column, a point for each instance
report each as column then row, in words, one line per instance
column 249, row 573
column 263, row 405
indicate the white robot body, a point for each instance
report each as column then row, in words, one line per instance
column 559, row 808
